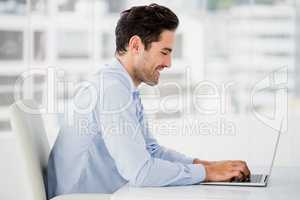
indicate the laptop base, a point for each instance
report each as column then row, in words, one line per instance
column 262, row 183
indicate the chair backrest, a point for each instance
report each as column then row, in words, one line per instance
column 28, row 126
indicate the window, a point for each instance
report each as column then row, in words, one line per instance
column 6, row 98
column 108, row 45
column 11, row 45
column 38, row 6
column 6, row 80
column 4, row 126
column 72, row 45
column 39, row 48
column 115, row 6
column 14, row 7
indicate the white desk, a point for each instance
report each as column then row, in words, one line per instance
column 284, row 184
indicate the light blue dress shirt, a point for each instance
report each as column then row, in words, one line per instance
column 109, row 143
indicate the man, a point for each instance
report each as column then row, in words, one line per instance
column 113, row 145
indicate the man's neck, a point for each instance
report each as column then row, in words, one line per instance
column 128, row 65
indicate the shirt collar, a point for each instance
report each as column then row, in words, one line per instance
column 119, row 65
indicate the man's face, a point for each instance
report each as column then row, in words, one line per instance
column 149, row 63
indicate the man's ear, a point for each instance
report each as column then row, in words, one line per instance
column 135, row 44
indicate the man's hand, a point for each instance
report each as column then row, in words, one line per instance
column 225, row 170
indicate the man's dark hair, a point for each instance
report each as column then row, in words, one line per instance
column 148, row 22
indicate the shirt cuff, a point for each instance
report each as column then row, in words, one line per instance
column 188, row 160
column 198, row 173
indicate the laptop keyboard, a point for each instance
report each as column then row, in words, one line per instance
column 256, row 178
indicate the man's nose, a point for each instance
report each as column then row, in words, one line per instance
column 167, row 61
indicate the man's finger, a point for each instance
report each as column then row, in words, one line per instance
column 242, row 166
column 242, row 170
column 237, row 176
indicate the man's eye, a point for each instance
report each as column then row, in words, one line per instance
column 164, row 53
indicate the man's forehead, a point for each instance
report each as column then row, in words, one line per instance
column 167, row 36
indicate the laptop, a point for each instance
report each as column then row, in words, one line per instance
column 255, row 180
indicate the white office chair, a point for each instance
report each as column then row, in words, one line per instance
column 32, row 139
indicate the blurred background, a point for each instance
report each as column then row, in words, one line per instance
column 204, row 105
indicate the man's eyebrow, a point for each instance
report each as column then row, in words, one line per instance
column 167, row 49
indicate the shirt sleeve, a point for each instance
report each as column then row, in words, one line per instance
column 158, row 151
column 126, row 144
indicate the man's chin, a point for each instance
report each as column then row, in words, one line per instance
column 152, row 82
